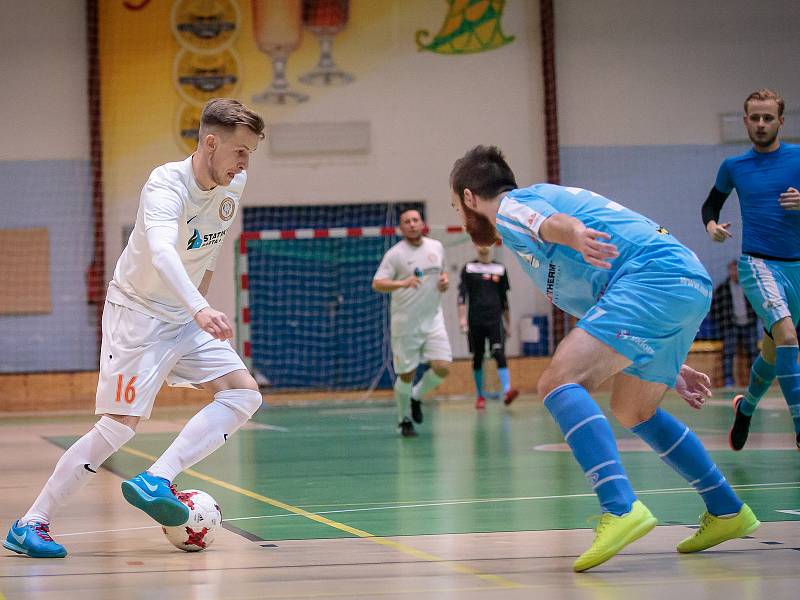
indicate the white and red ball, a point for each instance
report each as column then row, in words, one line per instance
column 205, row 519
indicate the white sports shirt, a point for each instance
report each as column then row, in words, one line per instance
column 413, row 309
column 171, row 198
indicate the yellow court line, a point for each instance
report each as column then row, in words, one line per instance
column 411, row 551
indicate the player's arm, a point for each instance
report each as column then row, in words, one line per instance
column 205, row 283
column 710, row 213
column 560, row 228
column 384, row 280
column 722, row 188
column 163, row 241
column 163, row 211
column 461, row 300
column 504, row 287
column 693, row 386
column 790, row 199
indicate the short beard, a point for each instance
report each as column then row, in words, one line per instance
column 479, row 227
column 764, row 144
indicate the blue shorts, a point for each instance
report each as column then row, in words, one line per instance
column 772, row 287
column 651, row 316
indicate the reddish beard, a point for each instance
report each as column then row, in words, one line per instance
column 479, row 227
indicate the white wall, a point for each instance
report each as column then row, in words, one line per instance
column 43, row 74
column 660, row 72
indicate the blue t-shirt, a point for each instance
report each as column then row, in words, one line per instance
column 760, row 178
column 559, row 271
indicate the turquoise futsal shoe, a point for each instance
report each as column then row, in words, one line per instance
column 33, row 540
column 156, row 497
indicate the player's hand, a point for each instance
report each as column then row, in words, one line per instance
column 443, row 283
column 412, row 282
column 790, row 199
column 595, row 252
column 464, row 326
column 693, row 386
column 719, row 231
column 214, row 322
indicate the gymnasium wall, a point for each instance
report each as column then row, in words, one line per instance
column 44, row 178
column 640, row 85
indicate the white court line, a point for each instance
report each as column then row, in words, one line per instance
column 753, row 486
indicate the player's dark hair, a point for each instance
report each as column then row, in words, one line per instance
column 484, row 171
column 766, row 94
column 228, row 113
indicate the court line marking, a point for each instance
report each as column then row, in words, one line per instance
column 755, row 487
column 360, row 533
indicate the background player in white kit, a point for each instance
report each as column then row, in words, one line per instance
column 157, row 326
column 413, row 272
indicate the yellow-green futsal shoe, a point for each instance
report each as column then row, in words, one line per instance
column 715, row 530
column 613, row 533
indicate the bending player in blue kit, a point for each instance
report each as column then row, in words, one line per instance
column 766, row 179
column 640, row 296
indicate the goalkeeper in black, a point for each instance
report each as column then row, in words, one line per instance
column 483, row 315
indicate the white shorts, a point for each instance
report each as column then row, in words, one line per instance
column 140, row 352
column 409, row 350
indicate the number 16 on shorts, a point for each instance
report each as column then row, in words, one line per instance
column 129, row 393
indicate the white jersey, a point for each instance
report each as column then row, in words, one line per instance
column 172, row 198
column 414, row 309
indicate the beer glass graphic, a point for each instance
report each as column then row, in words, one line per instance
column 276, row 29
column 326, row 18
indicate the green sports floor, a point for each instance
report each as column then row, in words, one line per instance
column 341, row 470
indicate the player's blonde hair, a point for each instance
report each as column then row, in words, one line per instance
column 766, row 94
column 227, row 113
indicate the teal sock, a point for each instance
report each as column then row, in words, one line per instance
column 477, row 374
column 505, row 379
column 761, row 377
column 430, row 381
column 788, row 372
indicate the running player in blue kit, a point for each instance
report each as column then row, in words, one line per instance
column 640, row 296
column 766, row 179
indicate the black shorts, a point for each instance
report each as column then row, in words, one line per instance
column 480, row 332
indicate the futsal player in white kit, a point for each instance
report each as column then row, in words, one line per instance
column 413, row 272
column 157, row 326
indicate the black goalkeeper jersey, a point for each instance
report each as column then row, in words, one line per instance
column 483, row 287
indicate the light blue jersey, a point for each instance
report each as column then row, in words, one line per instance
column 768, row 230
column 648, row 306
column 560, row 272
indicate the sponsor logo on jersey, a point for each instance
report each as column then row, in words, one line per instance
column 226, row 209
column 199, row 240
column 551, row 281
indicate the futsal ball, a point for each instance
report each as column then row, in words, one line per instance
column 205, row 519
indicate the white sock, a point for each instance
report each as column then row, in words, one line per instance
column 402, row 395
column 73, row 469
column 428, row 382
column 207, row 431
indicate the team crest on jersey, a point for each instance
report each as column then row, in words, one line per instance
column 226, row 209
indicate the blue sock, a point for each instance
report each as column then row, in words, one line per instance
column 505, row 378
column 477, row 374
column 761, row 376
column 788, row 372
column 682, row 450
column 589, row 435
